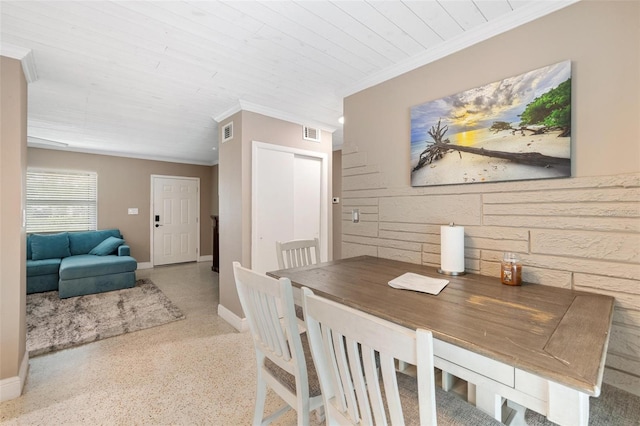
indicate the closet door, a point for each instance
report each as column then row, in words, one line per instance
column 307, row 197
column 287, row 202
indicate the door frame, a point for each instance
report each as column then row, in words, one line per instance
column 151, row 206
column 324, row 192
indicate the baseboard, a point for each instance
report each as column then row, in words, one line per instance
column 149, row 265
column 11, row 387
column 238, row 323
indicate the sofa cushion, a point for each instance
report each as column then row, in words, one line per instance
column 42, row 267
column 88, row 265
column 97, row 284
column 83, row 242
column 49, row 246
column 106, row 247
column 41, row 283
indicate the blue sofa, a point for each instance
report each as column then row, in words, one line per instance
column 78, row 263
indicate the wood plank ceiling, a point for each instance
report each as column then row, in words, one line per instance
column 148, row 79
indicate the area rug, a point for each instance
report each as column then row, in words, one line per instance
column 54, row 323
column 613, row 407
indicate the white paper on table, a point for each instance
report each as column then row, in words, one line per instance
column 415, row 282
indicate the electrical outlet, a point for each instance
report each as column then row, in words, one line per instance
column 132, row 210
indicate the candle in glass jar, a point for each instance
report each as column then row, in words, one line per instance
column 511, row 269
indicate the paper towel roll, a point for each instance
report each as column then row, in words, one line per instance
column 452, row 249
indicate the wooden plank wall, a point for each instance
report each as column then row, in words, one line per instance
column 581, row 233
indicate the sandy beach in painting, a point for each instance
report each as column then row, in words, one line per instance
column 461, row 167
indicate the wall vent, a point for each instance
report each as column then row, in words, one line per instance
column 311, row 134
column 227, row 132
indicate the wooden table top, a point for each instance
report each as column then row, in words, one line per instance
column 555, row 333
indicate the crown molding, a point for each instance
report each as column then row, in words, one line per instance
column 271, row 112
column 525, row 14
column 25, row 56
column 228, row 113
column 35, row 141
column 284, row 115
column 34, row 144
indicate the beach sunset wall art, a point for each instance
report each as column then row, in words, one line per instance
column 518, row 128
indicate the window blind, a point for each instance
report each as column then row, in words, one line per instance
column 61, row 201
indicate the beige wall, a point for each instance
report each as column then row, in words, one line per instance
column 231, row 188
column 125, row 183
column 581, row 232
column 235, row 189
column 13, row 164
column 214, row 190
column 337, row 208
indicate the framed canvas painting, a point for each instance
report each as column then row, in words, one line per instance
column 518, row 128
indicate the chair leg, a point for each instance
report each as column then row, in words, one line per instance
column 303, row 411
column 261, row 396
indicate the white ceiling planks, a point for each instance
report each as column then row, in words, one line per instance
column 403, row 45
column 285, row 33
column 466, row 13
column 144, row 79
column 492, row 9
column 436, row 17
column 409, row 22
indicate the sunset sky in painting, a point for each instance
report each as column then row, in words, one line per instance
column 480, row 107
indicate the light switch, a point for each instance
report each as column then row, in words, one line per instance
column 132, row 210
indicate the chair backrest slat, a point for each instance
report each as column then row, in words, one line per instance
column 358, row 380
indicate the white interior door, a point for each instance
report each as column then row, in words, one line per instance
column 175, row 219
column 307, row 187
column 288, row 199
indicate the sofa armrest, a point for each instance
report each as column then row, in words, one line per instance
column 124, row 250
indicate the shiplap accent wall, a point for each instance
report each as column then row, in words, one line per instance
column 581, row 233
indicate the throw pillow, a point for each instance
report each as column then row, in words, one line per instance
column 107, row 247
column 51, row 246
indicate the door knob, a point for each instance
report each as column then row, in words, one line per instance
column 157, row 225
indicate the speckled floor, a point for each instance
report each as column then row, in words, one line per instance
column 195, row 371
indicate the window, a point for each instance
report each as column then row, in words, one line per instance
column 61, row 201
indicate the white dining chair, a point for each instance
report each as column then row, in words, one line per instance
column 284, row 364
column 296, row 253
column 345, row 343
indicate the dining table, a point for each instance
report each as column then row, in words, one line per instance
column 540, row 346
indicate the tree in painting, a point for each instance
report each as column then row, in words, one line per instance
column 552, row 109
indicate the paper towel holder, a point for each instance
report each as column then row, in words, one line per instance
column 440, row 271
column 452, row 273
